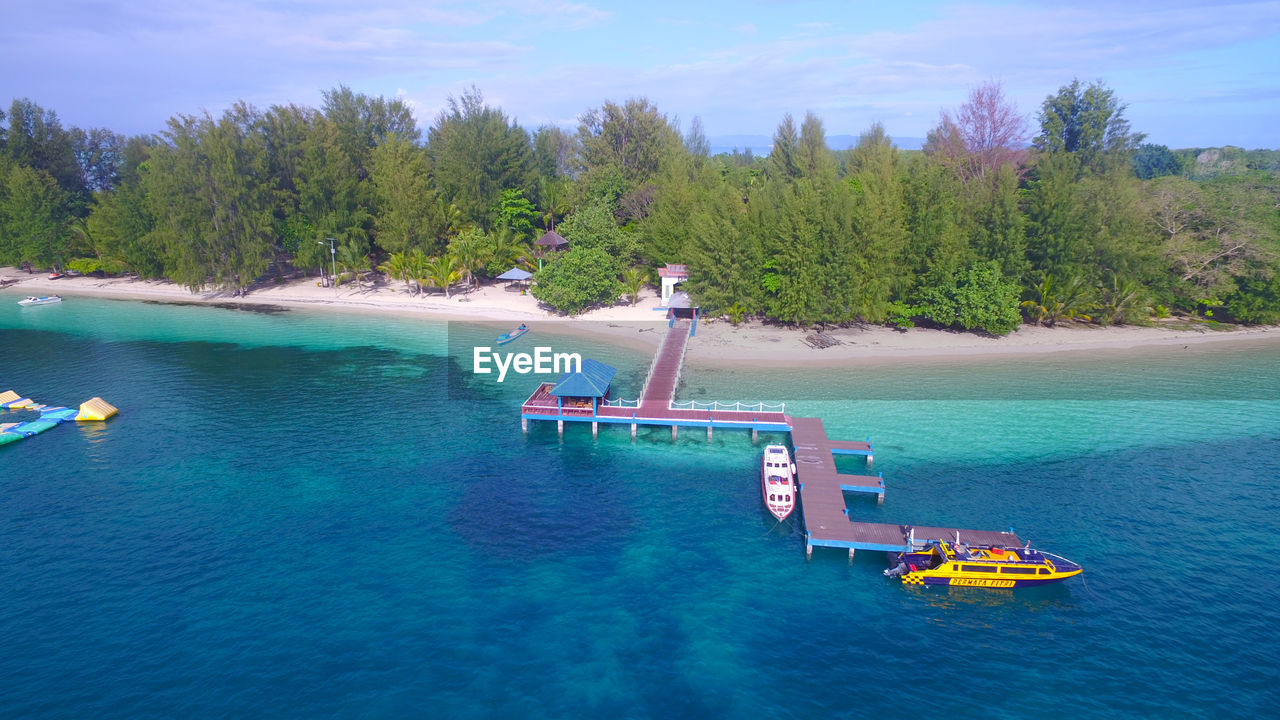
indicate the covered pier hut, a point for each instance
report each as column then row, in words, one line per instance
column 576, row 396
column 681, row 307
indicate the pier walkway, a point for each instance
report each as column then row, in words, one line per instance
column 826, row 515
column 655, row 405
column 660, row 387
column 822, row 486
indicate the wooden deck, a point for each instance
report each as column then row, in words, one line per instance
column 826, row 515
column 815, row 462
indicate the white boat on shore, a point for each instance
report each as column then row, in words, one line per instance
column 777, row 481
column 43, row 300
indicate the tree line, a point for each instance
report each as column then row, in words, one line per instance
column 997, row 221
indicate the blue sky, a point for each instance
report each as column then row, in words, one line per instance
column 1192, row 73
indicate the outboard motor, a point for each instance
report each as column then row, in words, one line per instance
column 896, row 570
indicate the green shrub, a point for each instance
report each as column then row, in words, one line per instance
column 1256, row 301
column 89, row 266
column 977, row 298
column 736, row 313
column 901, row 314
column 579, row 279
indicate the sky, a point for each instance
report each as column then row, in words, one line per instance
column 1193, row 74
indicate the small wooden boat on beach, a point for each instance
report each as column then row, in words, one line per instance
column 941, row 562
column 43, row 300
column 777, row 481
column 505, row 338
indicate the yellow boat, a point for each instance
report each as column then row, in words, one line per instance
column 941, row 562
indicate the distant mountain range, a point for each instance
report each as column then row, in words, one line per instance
column 762, row 144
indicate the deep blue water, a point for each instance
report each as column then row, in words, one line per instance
column 302, row 515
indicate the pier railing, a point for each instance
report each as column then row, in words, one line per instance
column 730, row 407
column 713, row 406
column 620, row 403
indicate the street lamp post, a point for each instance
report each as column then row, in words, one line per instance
column 333, row 257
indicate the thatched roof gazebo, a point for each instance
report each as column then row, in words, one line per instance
column 551, row 240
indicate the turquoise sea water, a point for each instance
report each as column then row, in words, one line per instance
column 302, row 514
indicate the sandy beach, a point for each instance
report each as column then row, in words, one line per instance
column 718, row 341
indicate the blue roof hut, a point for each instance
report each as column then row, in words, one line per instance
column 577, row 393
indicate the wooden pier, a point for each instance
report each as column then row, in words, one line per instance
column 655, row 405
column 826, row 515
column 822, row 486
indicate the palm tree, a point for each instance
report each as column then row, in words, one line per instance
column 470, row 249
column 1041, row 298
column 507, row 250
column 442, row 272
column 416, row 267
column 352, row 257
column 1116, row 298
column 1051, row 302
column 397, row 268
column 450, row 221
column 633, row 280
column 554, row 196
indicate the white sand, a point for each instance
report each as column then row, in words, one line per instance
column 717, row 343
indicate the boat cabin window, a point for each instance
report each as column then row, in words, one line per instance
column 980, row 568
column 1018, row 571
column 1044, row 571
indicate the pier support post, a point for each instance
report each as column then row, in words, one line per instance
column 595, row 429
column 524, row 425
column 850, row 556
column 869, row 459
column 675, row 432
column 879, row 498
column 754, row 435
column 808, row 552
column 633, row 432
column 708, row 433
column 560, row 427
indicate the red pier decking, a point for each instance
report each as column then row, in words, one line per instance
column 660, row 386
column 826, row 515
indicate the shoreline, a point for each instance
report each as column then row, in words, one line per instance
column 717, row 344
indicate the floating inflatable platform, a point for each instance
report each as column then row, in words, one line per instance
column 50, row 416
column 10, row 400
column 95, row 409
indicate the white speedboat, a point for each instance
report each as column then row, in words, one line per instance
column 778, row 481
column 44, row 300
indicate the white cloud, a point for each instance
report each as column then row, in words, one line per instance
column 549, row 60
